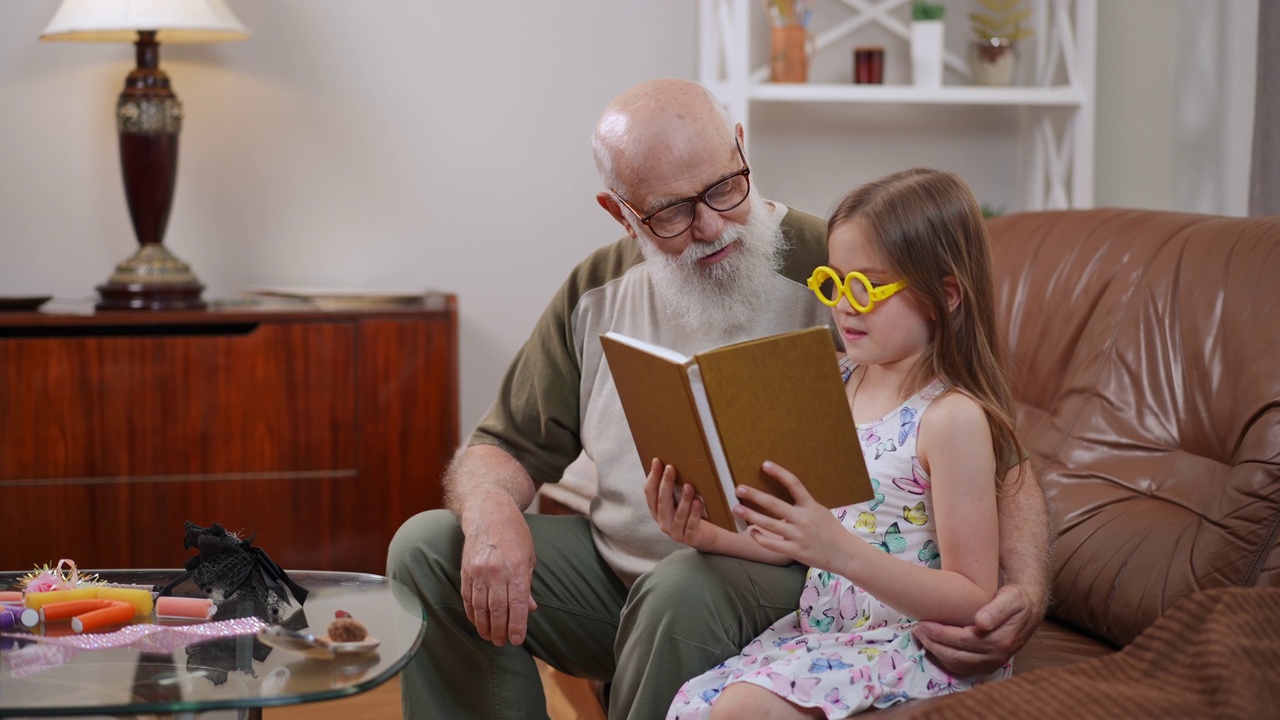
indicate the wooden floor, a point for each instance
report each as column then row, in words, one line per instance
column 377, row 704
column 567, row 699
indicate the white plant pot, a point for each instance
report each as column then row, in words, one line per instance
column 926, row 53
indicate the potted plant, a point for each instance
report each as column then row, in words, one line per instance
column 993, row 55
column 926, row 43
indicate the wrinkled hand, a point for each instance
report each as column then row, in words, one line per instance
column 681, row 520
column 497, row 569
column 1000, row 628
column 804, row 531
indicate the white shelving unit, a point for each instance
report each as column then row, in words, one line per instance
column 1056, row 118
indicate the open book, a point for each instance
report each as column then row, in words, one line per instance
column 719, row 415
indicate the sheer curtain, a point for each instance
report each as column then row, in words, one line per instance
column 1264, row 185
column 1212, row 83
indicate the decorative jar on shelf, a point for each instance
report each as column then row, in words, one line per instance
column 993, row 56
column 992, row 61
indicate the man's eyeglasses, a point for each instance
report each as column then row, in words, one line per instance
column 855, row 287
column 723, row 195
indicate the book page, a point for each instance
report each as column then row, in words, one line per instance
column 718, row 459
column 658, row 350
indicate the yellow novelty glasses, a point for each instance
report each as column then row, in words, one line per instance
column 855, row 287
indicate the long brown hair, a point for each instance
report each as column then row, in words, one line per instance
column 928, row 226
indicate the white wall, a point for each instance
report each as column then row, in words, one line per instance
column 398, row 144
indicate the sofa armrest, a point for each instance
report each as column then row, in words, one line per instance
column 1054, row 645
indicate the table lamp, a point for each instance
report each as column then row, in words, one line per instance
column 148, row 119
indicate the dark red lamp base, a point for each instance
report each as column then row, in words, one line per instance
column 149, row 119
column 150, row 297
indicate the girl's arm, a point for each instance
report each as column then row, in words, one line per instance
column 954, row 446
column 682, row 520
column 1005, row 624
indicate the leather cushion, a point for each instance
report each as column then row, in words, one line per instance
column 1146, row 347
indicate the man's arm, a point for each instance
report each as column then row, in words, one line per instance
column 1006, row 623
column 1026, row 540
column 488, row 490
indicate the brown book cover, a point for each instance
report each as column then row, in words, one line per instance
column 719, row 415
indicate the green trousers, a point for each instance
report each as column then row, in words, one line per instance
column 685, row 616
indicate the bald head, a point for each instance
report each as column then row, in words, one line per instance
column 658, row 125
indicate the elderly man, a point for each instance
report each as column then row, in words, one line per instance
column 706, row 261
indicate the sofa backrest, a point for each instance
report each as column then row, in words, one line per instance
column 1146, row 348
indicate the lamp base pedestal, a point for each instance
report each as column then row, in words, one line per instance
column 151, row 279
column 150, row 297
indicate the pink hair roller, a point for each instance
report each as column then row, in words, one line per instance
column 185, row 608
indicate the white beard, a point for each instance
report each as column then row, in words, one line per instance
column 729, row 293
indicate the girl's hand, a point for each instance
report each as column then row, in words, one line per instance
column 682, row 520
column 804, row 531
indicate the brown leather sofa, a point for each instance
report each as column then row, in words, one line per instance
column 1146, row 349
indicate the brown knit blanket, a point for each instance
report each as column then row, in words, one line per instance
column 1211, row 655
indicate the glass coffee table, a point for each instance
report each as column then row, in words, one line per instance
column 236, row 673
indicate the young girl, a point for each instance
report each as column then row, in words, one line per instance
column 911, row 294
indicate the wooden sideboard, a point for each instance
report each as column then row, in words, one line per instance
column 321, row 431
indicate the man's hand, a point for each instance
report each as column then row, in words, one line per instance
column 677, row 512
column 1000, row 628
column 497, row 569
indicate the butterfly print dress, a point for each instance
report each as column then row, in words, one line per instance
column 843, row 650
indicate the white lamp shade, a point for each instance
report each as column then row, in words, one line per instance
column 175, row 21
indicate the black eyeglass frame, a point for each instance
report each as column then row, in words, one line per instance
column 693, row 201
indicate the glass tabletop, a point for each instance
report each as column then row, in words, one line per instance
column 42, row 678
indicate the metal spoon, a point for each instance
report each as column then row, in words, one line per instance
column 283, row 637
